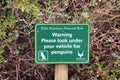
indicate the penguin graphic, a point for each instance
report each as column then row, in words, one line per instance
column 43, row 56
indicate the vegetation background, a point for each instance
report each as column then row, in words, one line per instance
column 17, row 22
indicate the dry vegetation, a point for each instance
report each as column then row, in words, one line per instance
column 17, row 21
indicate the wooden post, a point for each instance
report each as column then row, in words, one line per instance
column 61, row 72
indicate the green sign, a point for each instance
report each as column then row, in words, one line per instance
column 61, row 43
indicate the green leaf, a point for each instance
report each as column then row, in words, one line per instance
column 35, row 14
column 23, row 9
column 85, row 14
column 118, row 2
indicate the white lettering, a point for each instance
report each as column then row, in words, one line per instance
column 62, row 35
column 48, row 40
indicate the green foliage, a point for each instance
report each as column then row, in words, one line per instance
column 29, row 7
column 118, row 2
column 6, row 27
column 94, row 3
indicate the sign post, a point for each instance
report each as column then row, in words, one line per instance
column 61, row 72
column 61, row 44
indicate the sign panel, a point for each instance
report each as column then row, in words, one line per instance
column 61, row 43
